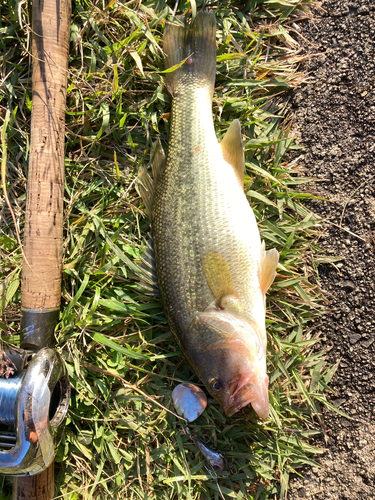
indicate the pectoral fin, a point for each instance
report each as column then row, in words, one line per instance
column 145, row 184
column 268, row 264
column 218, row 278
column 232, row 150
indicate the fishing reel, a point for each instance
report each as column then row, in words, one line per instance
column 33, row 405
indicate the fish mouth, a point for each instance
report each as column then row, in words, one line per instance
column 249, row 390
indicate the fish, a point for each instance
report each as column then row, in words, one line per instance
column 212, row 268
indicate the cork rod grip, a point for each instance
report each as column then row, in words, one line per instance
column 41, row 277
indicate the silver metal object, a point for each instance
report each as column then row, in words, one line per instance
column 217, row 463
column 215, row 458
column 39, row 398
column 189, row 400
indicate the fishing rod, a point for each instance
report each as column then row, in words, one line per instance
column 35, row 400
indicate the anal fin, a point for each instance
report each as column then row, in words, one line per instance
column 145, row 184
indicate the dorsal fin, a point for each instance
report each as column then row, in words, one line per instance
column 147, row 270
column 268, row 264
column 145, row 184
column 232, row 149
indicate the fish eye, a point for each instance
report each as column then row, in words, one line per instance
column 216, row 385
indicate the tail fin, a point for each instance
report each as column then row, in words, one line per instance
column 196, row 44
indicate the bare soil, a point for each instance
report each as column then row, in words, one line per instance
column 335, row 119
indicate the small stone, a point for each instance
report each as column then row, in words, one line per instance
column 363, row 10
column 353, row 339
column 338, row 402
column 348, row 285
column 367, row 343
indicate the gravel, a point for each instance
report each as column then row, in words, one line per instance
column 334, row 116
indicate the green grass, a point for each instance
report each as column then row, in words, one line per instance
column 122, row 439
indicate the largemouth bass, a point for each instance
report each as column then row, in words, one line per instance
column 213, row 271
